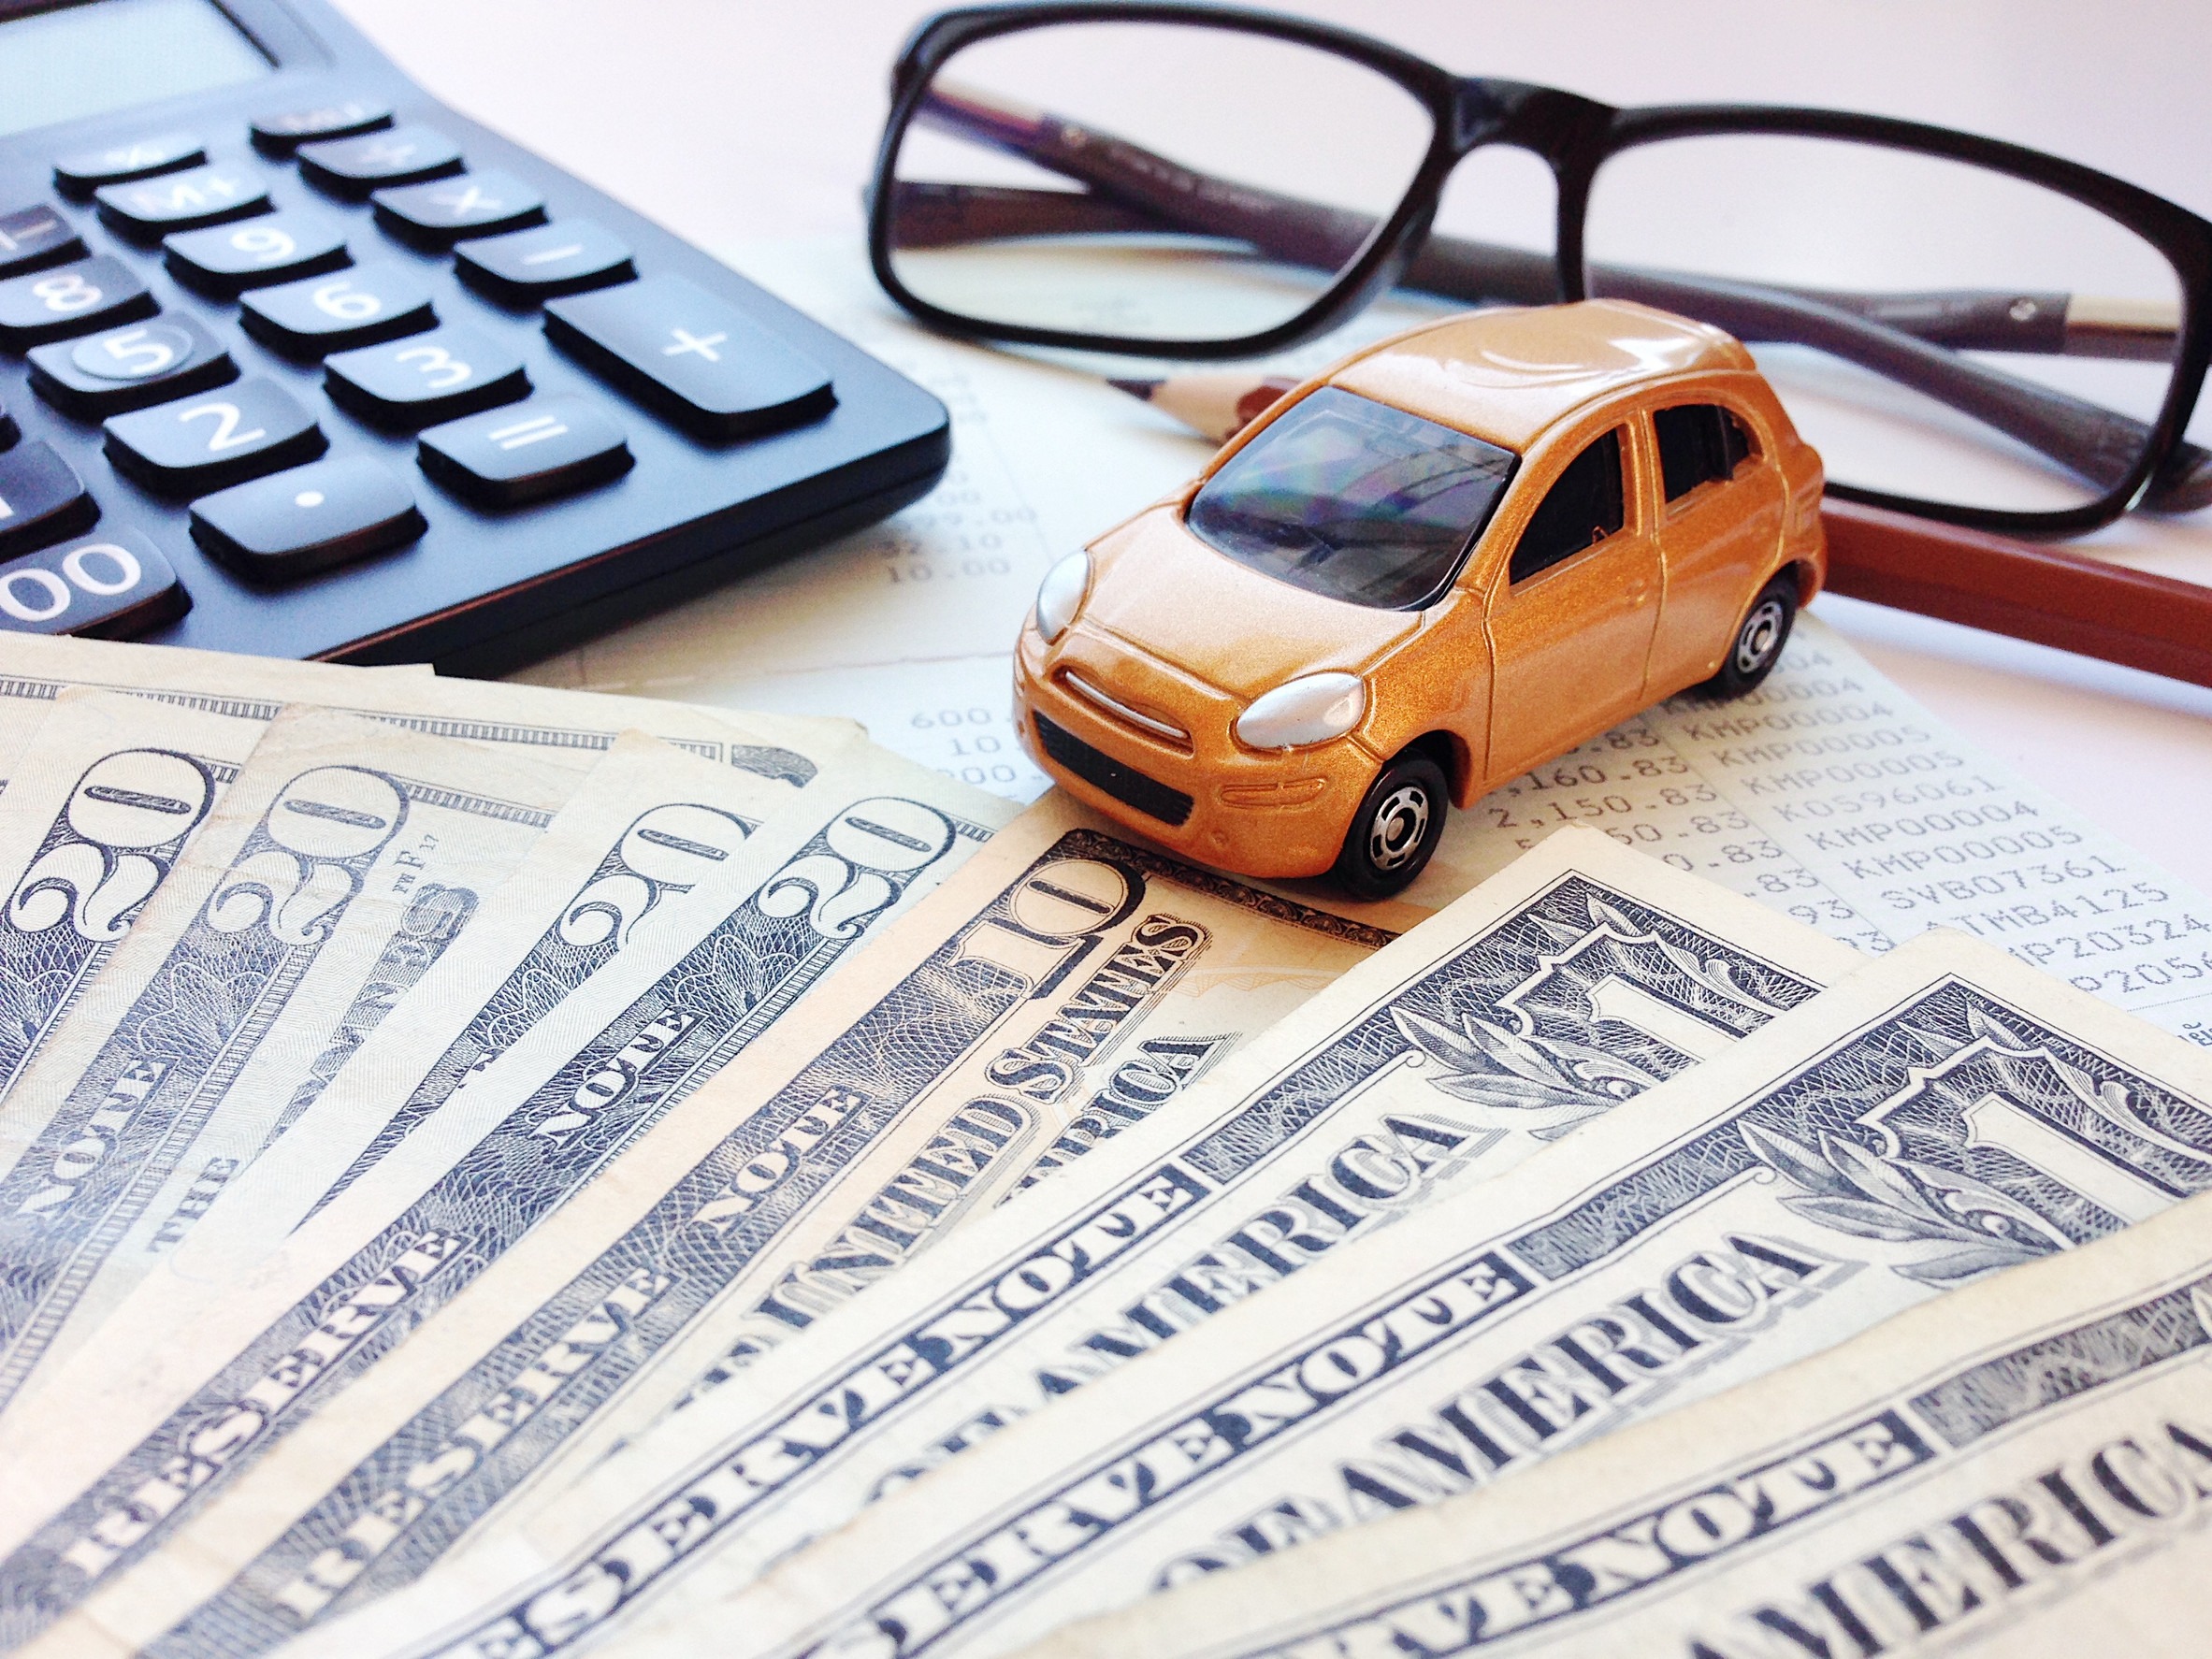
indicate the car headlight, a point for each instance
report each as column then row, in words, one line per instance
column 1309, row 711
column 1060, row 596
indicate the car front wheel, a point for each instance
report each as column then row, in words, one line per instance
column 1396, row 830
column 1760, row 639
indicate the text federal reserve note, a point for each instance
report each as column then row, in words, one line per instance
column 1943, row 1114
column 691, row 932
column 2021, row 1468
column 1573, row 981
column 104, row 798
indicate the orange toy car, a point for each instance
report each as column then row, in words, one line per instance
column 1450, row 558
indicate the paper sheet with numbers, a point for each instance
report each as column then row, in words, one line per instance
column 1828, row 793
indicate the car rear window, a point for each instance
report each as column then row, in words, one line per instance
column 1352, row 499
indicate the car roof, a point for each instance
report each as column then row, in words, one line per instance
column 1507, row 374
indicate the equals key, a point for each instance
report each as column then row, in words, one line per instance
column 525, row 452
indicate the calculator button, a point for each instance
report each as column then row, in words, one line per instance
column 442, row 212
column 524, row 266
column 41, row 498
column 198, row 444
column 225, row 260
column 380, row 300
column 81, row 174
column 549, row 446
column 676, row 348
column 129, row 367
column 35, row 236
column 113, row 588
column 351, row 167
column 70, row 300
column 283, row 131
column 426, row 378
column 182, row 201
column 296, row 522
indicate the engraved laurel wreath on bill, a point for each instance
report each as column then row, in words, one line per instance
column 491, row 1171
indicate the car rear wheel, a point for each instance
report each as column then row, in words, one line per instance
column 1396, row 830
column 1760, row 639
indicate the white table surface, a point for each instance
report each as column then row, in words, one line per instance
column 734, row 120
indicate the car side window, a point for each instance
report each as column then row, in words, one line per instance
column 1584, row 506
column 1697, row 441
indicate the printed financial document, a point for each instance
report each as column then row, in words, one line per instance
column 1828, row 793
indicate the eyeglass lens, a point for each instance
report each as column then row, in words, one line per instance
column 1141, row 180
column 1941, row 332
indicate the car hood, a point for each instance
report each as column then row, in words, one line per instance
column 1159, row 587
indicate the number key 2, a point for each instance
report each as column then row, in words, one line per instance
column 377, row 301
column 426, row 378
column 112, row 588
column 70, row 300
column 196, row 444
column 227, row 259
column 129, row 367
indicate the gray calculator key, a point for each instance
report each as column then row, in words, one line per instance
column 380, row 300
column 442, row 212
column 70, row 300
column 351, row 167
column 426, row 378
column 113, row 587
column 676, row 348
column 35, row 236
column 196, row 444
column 214, row 195
column 225, row 260
column 311, row 518
column 130, row 368
column 86, row 170
column 524, row 266
column 527, row 452
column 283, row 131
column 41, row 498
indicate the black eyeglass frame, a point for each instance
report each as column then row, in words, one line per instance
column 1574, row 137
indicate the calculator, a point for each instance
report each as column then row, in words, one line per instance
column 296, row 361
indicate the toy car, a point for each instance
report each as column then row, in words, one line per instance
column 1453, row 557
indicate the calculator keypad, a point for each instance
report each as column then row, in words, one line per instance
column 41, row 498
column 281, row 132
column 227, row 259
column 426, row 378
column 442, row 212
column 674, row 346
column 152, row 208
column 35, row 236
column 380, row 300
column 351, row 167
column 529, row 452
column 524, row 266
column 130, row 368
column 309, row 519
column 81, row 174
column 70, row 300
column 114, row 587
column 196, row 444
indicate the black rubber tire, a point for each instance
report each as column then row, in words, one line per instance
column 1756, row 645
column 1396, row 830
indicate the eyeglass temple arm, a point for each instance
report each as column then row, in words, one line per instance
column 1145, row 189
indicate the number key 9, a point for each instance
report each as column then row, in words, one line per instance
column 225, row 260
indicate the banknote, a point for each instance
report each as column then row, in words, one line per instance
column 1067, row 983
column 1579, row 976
column 691, row 934
column 106, row 796
column 303, row 871
column 567, row 727
column 2018, row 1469
column 1943, row 1114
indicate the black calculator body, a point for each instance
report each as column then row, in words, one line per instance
column 296, row 361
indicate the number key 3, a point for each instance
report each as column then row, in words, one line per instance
column 198, row 444
column 426, row 378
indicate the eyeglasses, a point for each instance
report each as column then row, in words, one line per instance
column 1969, row 331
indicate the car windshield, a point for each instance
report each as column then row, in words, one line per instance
column 1352, row 499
